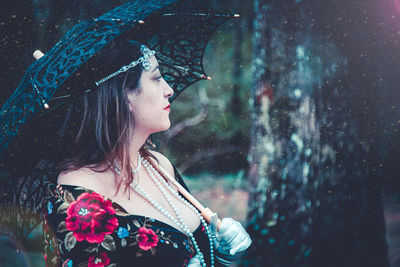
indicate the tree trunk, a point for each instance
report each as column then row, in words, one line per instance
column 313, row 188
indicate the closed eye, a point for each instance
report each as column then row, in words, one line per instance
column 158, row 78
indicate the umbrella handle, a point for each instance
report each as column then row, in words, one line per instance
column 206, row 213
column 38, row 54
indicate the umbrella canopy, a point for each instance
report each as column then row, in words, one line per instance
column 177, row 30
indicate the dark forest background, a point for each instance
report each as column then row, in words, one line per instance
column 301, row 117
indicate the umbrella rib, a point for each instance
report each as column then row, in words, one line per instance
column 204, row 15
column 36, row 90
column 65, row 96
column 134, row 20
column 200, row 75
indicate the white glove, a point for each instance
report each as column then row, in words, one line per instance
column 230, row 241
column 195, row 261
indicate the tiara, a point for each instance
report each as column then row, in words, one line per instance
column 147, row 54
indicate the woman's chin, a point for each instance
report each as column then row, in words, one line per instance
column 166, row 127
column 162, row 128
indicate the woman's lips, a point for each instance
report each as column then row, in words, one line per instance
column 167, row 108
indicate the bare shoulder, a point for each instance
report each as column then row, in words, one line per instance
column 84, row 177
column 164, row 162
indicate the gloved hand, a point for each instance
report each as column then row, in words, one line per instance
column 195, row 261
column 230, row 241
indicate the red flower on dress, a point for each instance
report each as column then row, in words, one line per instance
column 147, row 238
column 98, row 260
column 90, row 217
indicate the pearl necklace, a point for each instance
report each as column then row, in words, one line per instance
column 153, row 174
column 181, row 223
column 139, row 163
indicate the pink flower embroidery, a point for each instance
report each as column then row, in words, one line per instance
column 98, row 260
column 147, row 239
column 90, row 217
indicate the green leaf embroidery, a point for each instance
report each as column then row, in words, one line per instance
column 92, row 250
column 121, row 213
column 62, row 227
column 108, row 243
column 69, row 241
column 63, row 208
column 136, row 223
column 83, row 264
column 68, row 197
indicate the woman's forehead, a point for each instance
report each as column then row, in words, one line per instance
column 154, row 64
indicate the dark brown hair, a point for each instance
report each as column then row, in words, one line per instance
column 98, row 125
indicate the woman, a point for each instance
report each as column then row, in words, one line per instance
column 111, row 203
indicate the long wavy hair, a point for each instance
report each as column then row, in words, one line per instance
column 98, row 126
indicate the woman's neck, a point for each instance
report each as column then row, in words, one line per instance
column 137, row 141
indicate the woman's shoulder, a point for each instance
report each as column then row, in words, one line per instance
column 84, row 177
column 164, row 162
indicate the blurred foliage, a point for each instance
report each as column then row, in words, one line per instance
column 202, row 181
column 222, row 126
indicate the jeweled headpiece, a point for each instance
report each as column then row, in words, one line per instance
column 147, row 54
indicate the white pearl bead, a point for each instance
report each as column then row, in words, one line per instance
column 157, row 178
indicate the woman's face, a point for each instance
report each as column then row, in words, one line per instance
column 150, row 104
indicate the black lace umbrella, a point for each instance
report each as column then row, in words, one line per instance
column 177, row 30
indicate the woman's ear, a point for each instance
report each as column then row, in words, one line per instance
column 131, row 97
column 130, row 104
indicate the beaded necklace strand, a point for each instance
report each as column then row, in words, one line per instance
column 153, row 174
column 162, row 185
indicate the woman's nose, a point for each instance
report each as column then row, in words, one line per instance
column 168, row 90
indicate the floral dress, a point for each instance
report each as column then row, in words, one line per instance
column 84, row 228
